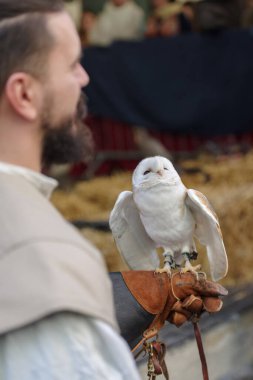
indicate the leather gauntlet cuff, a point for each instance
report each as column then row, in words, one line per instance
column 153, row 291
column 150, row 290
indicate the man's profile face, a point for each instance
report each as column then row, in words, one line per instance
column 61, row 92
column 65, row 76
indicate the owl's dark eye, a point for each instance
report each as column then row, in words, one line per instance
column 146, row 172
column 166, row 169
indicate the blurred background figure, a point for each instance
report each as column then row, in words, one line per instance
column 75, row 8
column 214, row 15
column 247, row 14
column 118, row 20
column 170, row 18
column 188, row 10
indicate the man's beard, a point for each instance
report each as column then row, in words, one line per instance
column 64, row 143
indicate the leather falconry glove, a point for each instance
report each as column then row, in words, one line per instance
column 144, row 300
column 177, row 298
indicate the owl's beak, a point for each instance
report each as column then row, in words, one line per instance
column 160, row 172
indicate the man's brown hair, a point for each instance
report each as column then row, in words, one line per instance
column 24, row 37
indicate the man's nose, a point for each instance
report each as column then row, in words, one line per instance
column 83, row 77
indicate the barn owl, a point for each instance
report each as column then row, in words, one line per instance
column 162, row 212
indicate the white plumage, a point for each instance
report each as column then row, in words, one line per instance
column 162, row 212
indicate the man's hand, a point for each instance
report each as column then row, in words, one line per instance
column 194, row 296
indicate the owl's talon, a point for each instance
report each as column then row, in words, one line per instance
column 190, row 268
column 165, row 269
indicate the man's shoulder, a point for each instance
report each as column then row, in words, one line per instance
column 18, row 196
column 26, row 215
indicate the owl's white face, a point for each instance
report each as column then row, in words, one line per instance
column 154, row 170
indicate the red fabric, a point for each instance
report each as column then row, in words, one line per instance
column 110, row 135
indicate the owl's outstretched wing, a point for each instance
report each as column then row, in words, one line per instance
column 137, row 249
column 208, row 232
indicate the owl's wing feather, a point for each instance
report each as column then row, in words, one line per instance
column 132, row 241
column 208, row 232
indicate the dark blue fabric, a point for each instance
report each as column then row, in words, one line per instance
column 133, row 320
column 194, row 83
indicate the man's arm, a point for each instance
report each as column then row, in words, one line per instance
column 132, row 318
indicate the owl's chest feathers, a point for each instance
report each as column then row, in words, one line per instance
column 161, row 200
column 164, row 213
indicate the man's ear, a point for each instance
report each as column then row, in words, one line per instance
column 22, row 93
